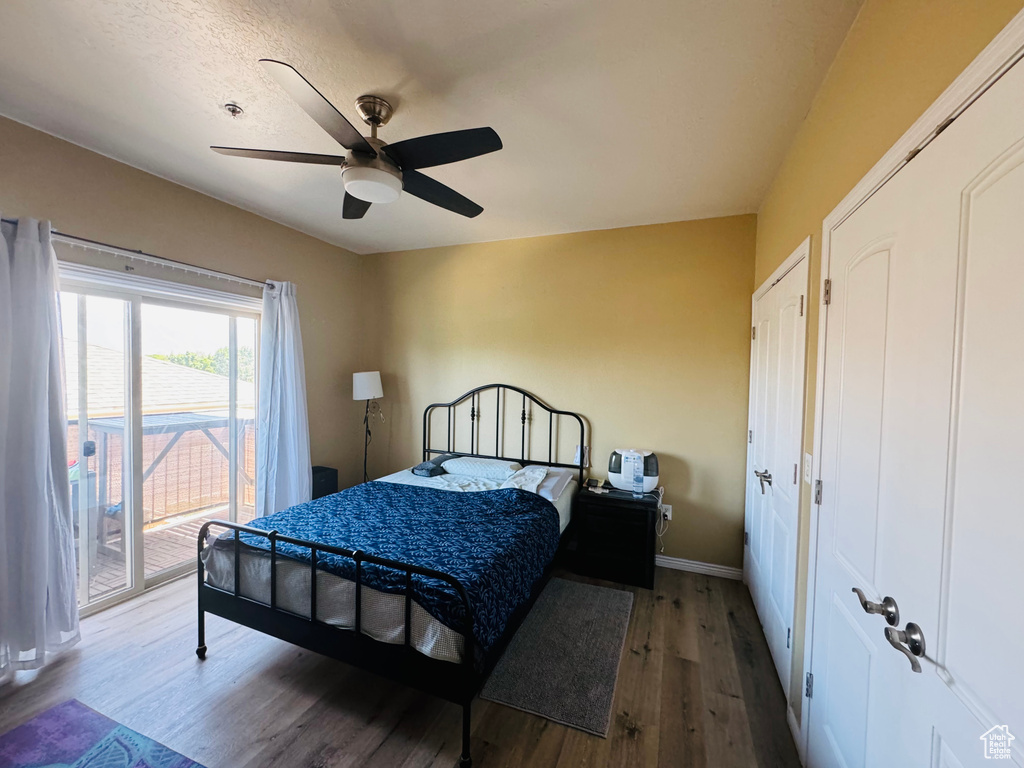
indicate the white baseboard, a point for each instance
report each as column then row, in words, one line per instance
column 696, row 566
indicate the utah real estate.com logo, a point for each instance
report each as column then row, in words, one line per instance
column 997, row 742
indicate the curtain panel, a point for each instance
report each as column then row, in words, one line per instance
column 284, row 474
column 38, row 604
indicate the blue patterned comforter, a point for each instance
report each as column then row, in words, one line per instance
column 496, row 543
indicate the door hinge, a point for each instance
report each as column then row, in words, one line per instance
column 826, row 296
column 817, row 492
column 809, row 686
column 801, row 306
column 789, row 632
column 746, row 537
column 750, row 435
column 753, row 332
column 795, row 469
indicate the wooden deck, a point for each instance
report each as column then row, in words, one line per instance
column 165, row 547
column 696, row 688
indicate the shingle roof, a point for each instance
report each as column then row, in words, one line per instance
column 166, row 387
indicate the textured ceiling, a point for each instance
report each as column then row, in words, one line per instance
column 612, row 112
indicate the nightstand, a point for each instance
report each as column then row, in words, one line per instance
column 615, row 536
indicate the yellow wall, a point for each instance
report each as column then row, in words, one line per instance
column 643, row 330
column 92, row 196
column 896, row 60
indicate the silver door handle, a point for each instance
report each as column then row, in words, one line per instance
column 887, row 608
column 909, row 642
column 764, row 477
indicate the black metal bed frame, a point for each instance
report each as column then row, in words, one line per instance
column 475, row 414
column 458, row 683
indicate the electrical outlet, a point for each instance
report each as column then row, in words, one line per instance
column 808, row 461
column 666, row 511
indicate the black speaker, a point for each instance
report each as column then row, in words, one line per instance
column 325, row 481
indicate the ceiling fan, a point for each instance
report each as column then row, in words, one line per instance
column 372, row 170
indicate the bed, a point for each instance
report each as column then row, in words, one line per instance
column 420, row 579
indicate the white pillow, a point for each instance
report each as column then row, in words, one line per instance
column 554, row 484
column 491, row 469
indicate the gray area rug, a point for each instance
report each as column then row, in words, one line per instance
column 563, row 662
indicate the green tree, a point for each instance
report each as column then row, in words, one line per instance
column 219, row 362
column 246, row 364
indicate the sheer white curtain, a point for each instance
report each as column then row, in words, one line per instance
column 38, row 606
column 284, row 475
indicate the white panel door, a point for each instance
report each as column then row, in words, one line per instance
column 761, row 400
column 776, row 424
column 882, row 288
column 921, row 457
column 974, row 679
column 786, row 434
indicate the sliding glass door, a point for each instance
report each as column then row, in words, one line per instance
column 198, row 428
column 161, row 401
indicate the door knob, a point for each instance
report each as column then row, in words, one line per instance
column 764, row 477
column 886, row 608
column 909, row 642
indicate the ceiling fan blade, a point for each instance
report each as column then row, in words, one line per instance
column 288, row 157
column 317, row 106
column 425, row 188
column 443, row 148
column 353, row 207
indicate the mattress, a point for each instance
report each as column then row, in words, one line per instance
column 382, row 614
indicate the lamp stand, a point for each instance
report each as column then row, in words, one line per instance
column 366, row 443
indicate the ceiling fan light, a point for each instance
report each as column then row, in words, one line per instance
column 372, row 185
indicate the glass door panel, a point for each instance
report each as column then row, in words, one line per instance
column 197, row 367
column 244, row 499
column 97, row 376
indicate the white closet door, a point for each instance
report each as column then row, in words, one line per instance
column 922, row 456
column 974, row 619
column 880, row 442
column 783, row 501
column 776, row 423
column 761, row 398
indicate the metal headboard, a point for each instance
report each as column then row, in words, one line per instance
column 478, row 403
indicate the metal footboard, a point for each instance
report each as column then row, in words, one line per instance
column 454, row 682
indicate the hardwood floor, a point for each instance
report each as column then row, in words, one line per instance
column 696, row 688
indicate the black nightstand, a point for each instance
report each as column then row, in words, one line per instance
column 615, row 536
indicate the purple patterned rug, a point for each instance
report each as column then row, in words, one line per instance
column 70, row 735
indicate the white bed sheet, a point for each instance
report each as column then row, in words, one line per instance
column 382, row 614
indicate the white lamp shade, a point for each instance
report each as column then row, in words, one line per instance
column 366, row 386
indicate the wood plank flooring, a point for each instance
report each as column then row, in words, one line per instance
column 696, row 688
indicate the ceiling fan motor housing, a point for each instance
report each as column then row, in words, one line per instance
column 374, row 110
column 372, row 179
